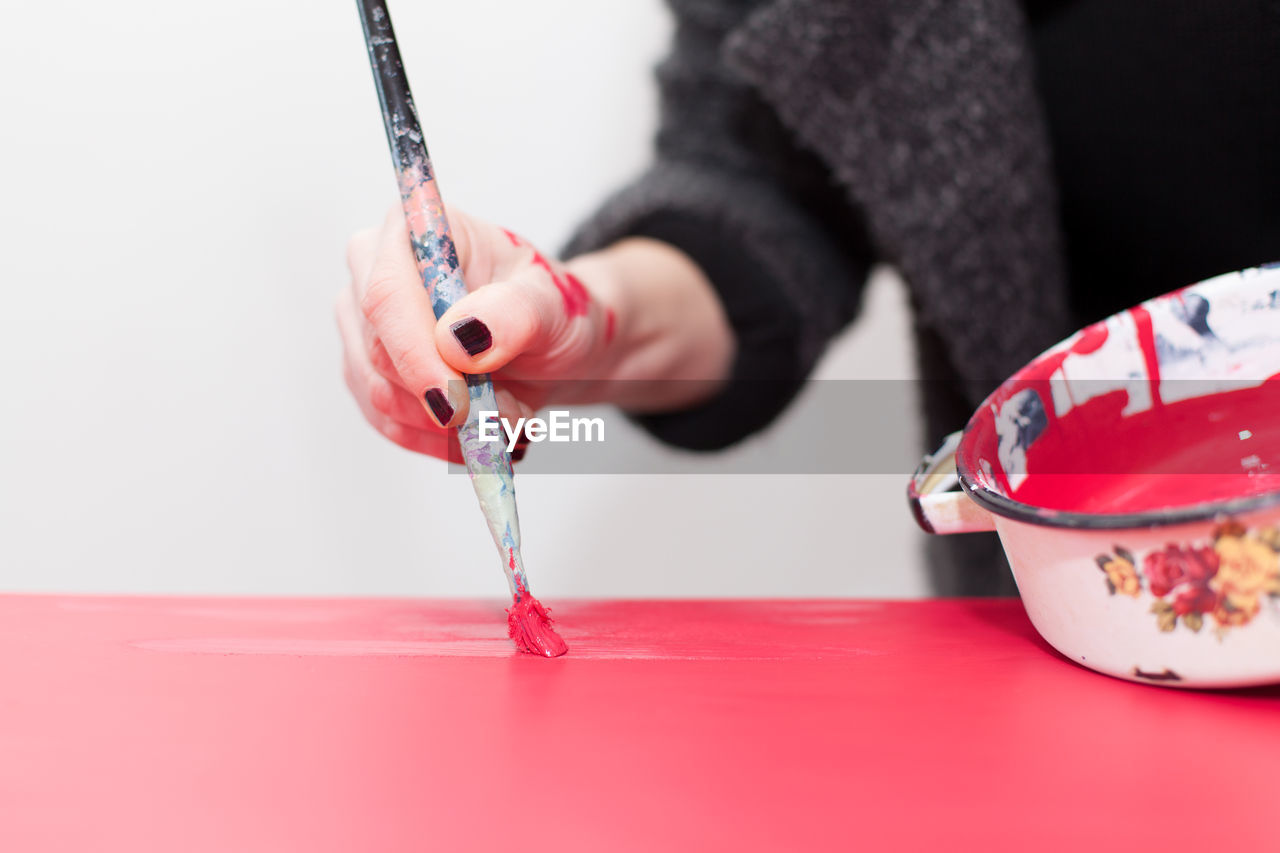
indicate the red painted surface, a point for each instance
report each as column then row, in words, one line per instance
column 131, row 724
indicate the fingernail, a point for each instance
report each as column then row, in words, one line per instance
column 439, row 404
column 473, row 335
column 518, row 452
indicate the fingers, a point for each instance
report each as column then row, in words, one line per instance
column 405, row 369
column 398, row 313
column 392, row 410
column 375, row 393
column 387, row 407
column 360, row 249
column 431, row 440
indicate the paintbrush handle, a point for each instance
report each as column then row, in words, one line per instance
column 423, row 207
column 488, row 463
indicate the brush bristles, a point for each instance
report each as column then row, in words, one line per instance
column 529, row 625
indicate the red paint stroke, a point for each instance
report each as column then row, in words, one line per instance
column 578, row 293
column 529, row 623
column 572, row 293
column 515, row 241
column 1147, row 341
column 610, row 321
column 1039, row 375
column 1089, row 340
column 540, row 261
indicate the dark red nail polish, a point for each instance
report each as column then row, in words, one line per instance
column 473, row 335
column 439, row 404
column 517, row 453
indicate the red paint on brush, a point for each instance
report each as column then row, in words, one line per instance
column 529, row 623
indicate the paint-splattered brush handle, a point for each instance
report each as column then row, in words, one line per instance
column 488, row 463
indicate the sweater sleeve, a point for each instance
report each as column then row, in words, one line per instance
column 762, row 218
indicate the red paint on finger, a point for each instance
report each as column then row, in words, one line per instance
column 572, row 293
column 610, row 322
column 576, row 297
column 540, row 261
column 515, row 240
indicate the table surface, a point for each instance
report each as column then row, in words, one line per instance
column 201, row 724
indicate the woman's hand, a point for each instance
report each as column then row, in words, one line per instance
column 547, row 331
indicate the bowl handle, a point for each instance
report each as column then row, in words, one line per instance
column 937, row 501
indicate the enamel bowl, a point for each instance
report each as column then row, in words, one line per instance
column 1133, row 475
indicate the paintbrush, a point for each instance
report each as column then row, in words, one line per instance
column 488, row 462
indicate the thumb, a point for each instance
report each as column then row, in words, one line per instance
column 488, row 328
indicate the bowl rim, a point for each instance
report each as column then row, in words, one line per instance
column 1044, row 516
column 1168, row 517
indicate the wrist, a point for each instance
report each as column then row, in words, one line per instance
column 666, row 341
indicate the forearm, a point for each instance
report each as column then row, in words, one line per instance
column 671, row 345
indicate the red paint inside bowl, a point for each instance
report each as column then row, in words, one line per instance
column 1170, row 405
column 1213, row 448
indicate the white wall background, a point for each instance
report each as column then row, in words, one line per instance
column 177, row 182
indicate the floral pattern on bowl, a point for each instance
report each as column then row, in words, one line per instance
column 1225, row 581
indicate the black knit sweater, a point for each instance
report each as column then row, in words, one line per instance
column 1028, row 168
